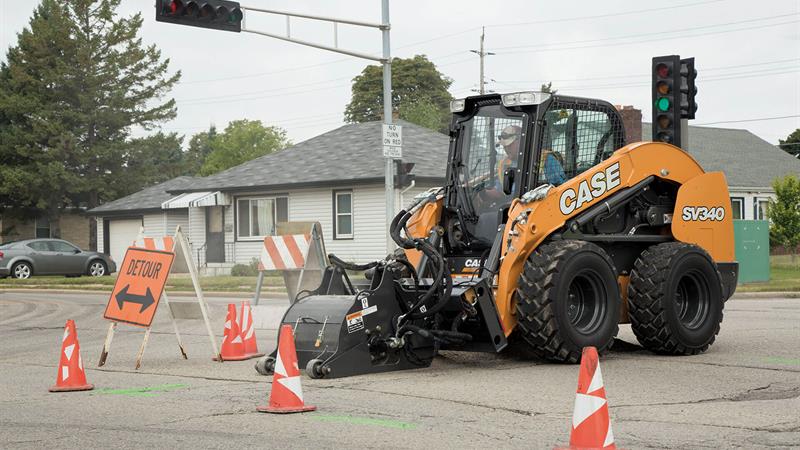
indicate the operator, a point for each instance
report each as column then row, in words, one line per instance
column 493, row 194
column 553, row 167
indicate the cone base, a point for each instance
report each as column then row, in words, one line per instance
column 253, row 355
column 286, row 409
column 83, row 387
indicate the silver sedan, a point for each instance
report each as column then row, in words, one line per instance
column 23, row 259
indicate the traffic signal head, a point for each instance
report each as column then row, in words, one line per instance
column 688, row 88
column 666, row 95
column 214, row 14
column 403, row 176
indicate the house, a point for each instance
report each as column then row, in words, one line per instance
column 337, row 179
column 74, row 225
column 119, row 221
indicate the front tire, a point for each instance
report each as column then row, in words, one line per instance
column 675, row 299
column 568, row 298
column 21, row 271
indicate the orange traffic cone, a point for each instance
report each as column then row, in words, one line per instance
column 232, row 346
column 591, row 424
column 248, row 332
column 286, row 395
column 71, row 376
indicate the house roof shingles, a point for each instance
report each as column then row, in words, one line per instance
column 349, row 153
column 746, row 159
column 149, row 198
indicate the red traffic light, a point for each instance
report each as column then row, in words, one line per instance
column 662, row 70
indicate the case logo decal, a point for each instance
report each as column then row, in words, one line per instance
column 588, row 190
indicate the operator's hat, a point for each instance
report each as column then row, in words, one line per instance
column 509, row 135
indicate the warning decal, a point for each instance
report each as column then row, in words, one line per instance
column 142, row 276
column 355, row 322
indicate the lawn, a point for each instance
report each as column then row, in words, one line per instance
column 175, row 283
column 784, row 277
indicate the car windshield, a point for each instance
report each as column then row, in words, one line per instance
column 490, row 145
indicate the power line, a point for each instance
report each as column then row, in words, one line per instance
column 639, row 41
column 760, row 119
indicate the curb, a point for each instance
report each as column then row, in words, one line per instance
column 746, row 295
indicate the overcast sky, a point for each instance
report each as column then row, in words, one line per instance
column 747, row 55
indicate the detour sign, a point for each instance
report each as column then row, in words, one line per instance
column 140, row 282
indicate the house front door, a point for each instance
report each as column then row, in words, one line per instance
column 215, row 234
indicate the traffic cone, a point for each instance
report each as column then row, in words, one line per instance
column 286, row 395
column 248, row 331
column 232, row 346
column 71, row 376
column 591, row 424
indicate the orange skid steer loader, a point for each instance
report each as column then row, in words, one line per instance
column 548, row 234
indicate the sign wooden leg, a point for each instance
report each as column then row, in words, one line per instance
column 141, row 348
column 259, row 283
column 196, row 283
column 107, row 344
column 174, row 325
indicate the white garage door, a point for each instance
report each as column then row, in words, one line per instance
column 122, row 233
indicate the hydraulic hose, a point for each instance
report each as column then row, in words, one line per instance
column 350, row 266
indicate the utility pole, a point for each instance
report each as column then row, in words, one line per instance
column 387, row 119
column 482, row 53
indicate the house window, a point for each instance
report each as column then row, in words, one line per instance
column 760, row 206
column 42, row 227
column 343, row 214
column 737, row 206
column 258, row 216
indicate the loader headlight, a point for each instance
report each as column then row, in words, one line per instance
column 524, row 98
column 457, row 105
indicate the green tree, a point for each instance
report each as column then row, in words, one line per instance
column 153, row 159
column 71, row 89
column 200, row 146
column 423, row 113
column 415, row 83
column 791, row 144
column 784, row 213
column 241, row 141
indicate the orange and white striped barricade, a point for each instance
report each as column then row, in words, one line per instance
column 298, row 252
column 179, row 245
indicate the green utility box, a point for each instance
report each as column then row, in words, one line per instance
column 752, row 249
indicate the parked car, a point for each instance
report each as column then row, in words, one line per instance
column 23, row 259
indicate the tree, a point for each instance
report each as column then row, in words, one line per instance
column 423, row 113
column 77, row 81
column 548, row 87
column 151, row 160
column 200, row 146
column 242, row 141
column 791, row 144
column 784, row 213
column 415, row 83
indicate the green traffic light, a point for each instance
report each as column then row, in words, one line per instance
column 662, row 104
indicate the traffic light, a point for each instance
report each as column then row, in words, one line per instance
column 215, row 14
column 402, row 174
column 688, row 88
column 666, row 98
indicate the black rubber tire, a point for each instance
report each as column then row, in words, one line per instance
column 21, row 264
column 675, row 299
column 547, row 293
column 96, row 261
column 265, row 365
column 314, row 369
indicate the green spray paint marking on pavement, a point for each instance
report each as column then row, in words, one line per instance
column 366, row 421
column 784, row 361
column 147, row 391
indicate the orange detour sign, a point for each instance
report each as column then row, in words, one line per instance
column 140, row 282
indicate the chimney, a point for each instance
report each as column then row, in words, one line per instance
column 632, row 121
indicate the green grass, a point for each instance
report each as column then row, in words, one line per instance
column 784, row 276
column 176, row 282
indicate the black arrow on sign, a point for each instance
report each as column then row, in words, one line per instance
column 144, row 300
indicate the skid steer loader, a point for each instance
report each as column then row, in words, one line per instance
column 547, row 245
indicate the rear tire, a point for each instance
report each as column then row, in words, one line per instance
column 675, row 299
column 21, row 271
column 568, row 298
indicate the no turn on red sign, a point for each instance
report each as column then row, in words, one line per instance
column 139, row 285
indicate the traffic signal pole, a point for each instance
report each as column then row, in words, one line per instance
column 207, row 12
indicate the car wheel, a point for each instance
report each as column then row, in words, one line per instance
column 21, row 271
column 97, row 268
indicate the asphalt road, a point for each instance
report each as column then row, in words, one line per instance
column 744, row 392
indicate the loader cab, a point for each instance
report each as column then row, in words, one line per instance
column 502, row 146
